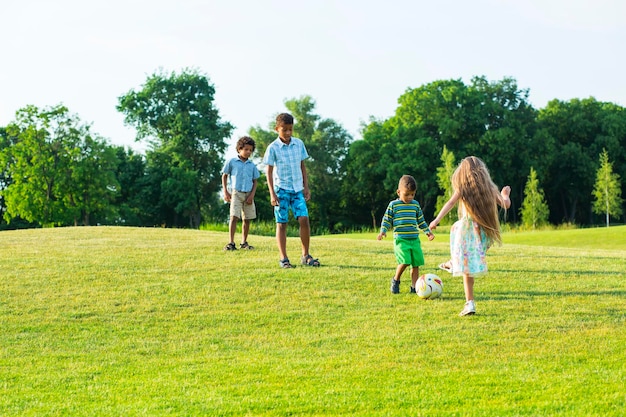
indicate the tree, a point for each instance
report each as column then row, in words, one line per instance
column 534, row 209
column 492, row 120
column 134, row 201
column 187, row 140
column 607, row 190
column 363, row 195
column 5, row 179
column 579, row 130
column 60, row 173
column 444, row 175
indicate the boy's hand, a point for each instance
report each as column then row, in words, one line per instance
column 430, row 236
column 250, row 200
column 274, row 199
column 381, row 235
column 227, row 196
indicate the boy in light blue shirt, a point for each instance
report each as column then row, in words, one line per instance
column 289, row 188
column 243, row 175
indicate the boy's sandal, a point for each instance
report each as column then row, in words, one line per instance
column 230, row 246
column 285, row 264
column 310, row 261
column 245, row 245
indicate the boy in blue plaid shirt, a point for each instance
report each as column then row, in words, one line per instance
column 289, row 188
column 243, row 175
column 405, row 216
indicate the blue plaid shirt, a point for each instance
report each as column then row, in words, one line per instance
column 241, row 174
column 286, row 161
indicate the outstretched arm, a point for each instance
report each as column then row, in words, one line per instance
column 445, row 210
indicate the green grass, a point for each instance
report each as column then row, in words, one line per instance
column 106, row 321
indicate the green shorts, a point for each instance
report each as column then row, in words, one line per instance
column 408, row 252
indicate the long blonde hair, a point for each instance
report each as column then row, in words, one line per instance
column 479, row 195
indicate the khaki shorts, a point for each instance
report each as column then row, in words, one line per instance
column 239, row 208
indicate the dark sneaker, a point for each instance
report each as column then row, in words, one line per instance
column 413, row 290
column 395, row 286
column 245, row 245
column 230, row 246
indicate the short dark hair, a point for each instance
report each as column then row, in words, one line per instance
column 245, row 140
column 407, row 182
column 284, row 119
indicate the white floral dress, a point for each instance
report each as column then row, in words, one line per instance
column 468, row 246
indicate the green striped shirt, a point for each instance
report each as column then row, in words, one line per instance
column 405, row 219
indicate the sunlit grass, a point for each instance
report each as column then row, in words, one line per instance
column 128, row 321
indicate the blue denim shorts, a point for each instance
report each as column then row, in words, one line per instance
column 290, row 200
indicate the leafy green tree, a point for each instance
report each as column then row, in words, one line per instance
column 364, row 197
column 607, row 190
column 579, row 129
column 5, row 178
column 175, row 113
column 60, row 173
column 534, row 211
column 92, row 185
column 444, row 175
column 492, row 120
column 133, row 200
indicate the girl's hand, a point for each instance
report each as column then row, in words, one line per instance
column 506, row 201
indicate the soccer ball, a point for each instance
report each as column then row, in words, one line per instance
column 429, row 286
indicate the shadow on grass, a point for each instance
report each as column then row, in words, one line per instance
column 491, row 295
column 554, row 271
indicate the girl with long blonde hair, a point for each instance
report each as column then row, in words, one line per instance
column 478, row 226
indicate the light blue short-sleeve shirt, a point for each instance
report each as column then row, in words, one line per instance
column 286, row 161
column 241, row 174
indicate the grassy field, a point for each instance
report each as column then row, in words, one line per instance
column 103, row 321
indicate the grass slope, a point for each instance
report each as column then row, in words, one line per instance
column 124, row 321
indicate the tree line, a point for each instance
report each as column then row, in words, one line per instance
column 565, row 162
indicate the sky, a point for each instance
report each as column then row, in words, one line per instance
column 355, row 58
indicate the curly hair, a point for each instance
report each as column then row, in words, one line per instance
column 479, row 195
column 245, row 140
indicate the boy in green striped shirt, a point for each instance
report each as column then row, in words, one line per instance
column 405, row 216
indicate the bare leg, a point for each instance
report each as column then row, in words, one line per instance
column 399, row 270
column 305, row 234
column 245, row 229
column 232, row 227
column 468, row 286
column 415, row 274
column 281, row 239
